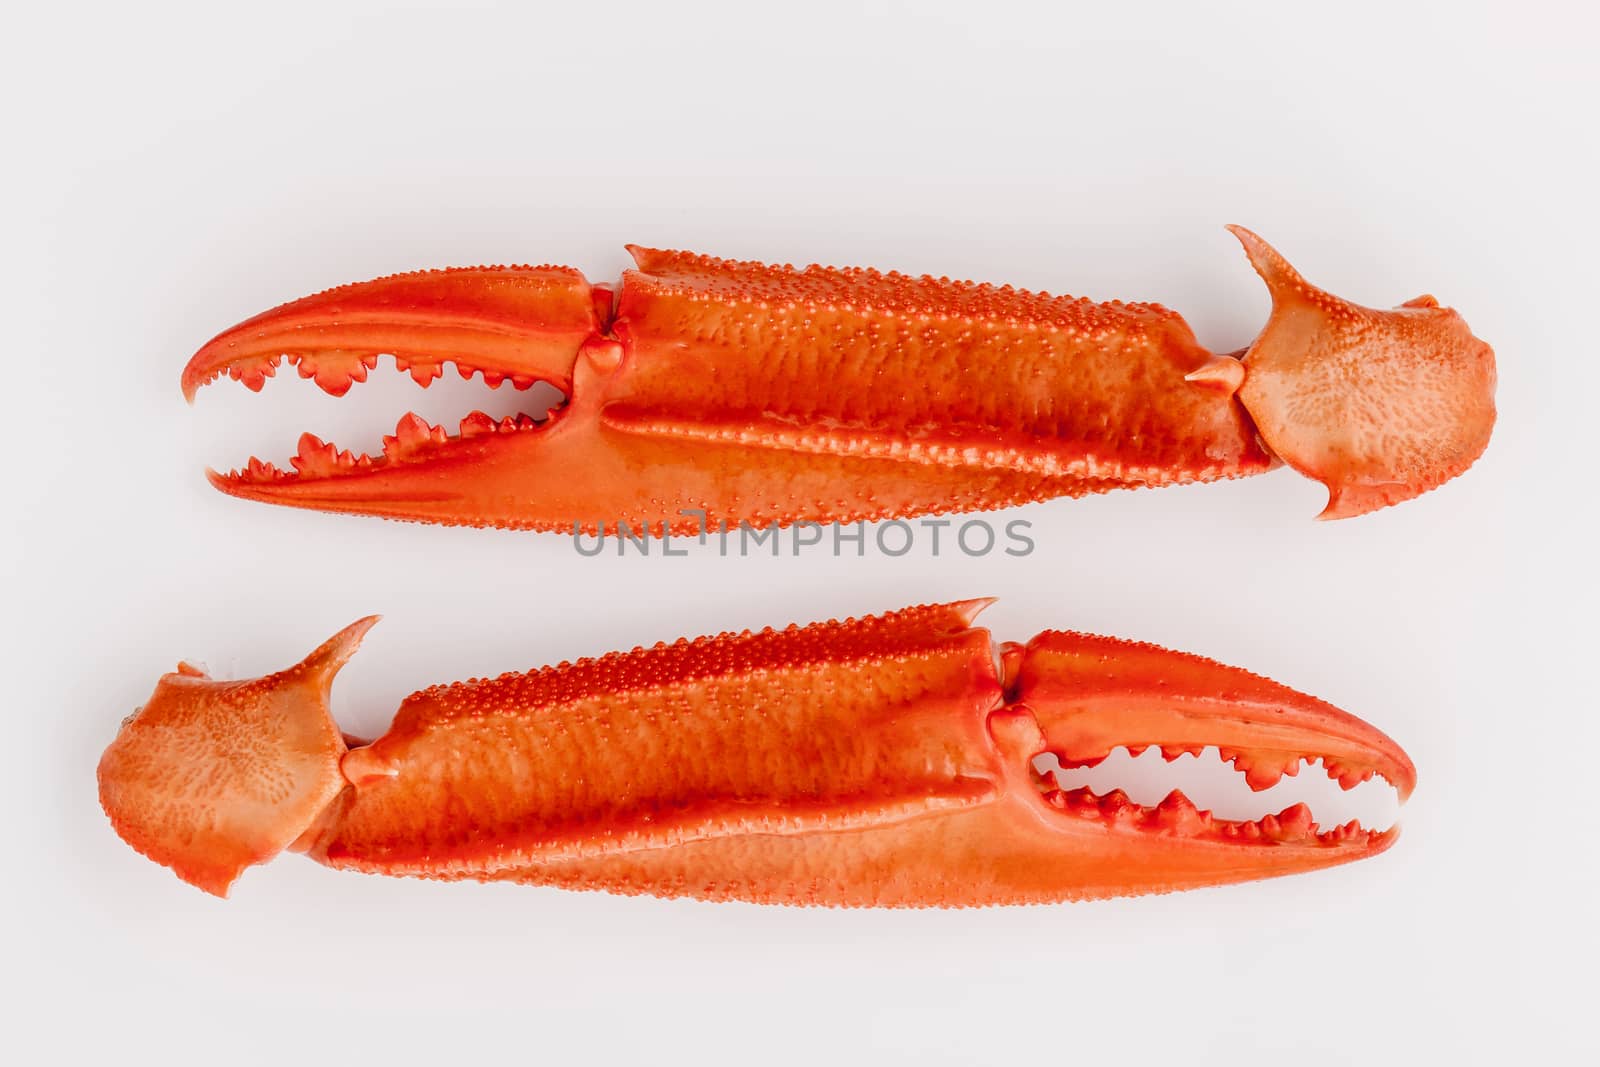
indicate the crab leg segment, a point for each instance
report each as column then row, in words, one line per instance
column 766, row 394
column 880, row 761
column 212, row 776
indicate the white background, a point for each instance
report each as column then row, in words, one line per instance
column 171, row 171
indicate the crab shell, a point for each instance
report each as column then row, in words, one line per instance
column 886, row 760
column 706, row 391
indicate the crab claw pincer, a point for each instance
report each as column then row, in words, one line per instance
column 886, row 760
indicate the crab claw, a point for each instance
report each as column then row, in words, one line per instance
column 1088, row 695
column 1379, row 406
column 210, row 777
column 741, row 392
column 744, row 392
column 877, row 761
column 519, row 324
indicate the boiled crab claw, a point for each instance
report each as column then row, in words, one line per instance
column 707, row 390
column 888, row 760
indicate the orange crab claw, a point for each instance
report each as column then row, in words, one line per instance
column 770, row 395
column 751, row 393
column 880, row 761
column 1089, row 695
